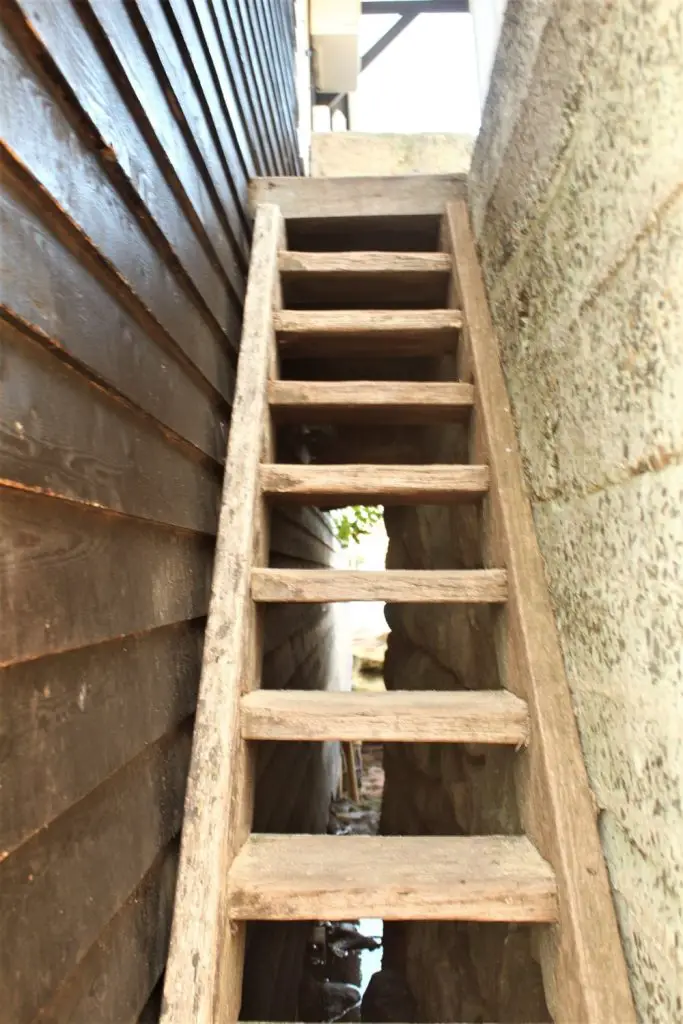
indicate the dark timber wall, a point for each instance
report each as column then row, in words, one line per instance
column 129, row 132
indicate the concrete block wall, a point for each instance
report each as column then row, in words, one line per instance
column 577, row 204
column 353, row 154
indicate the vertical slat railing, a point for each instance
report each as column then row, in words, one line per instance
column 584, row 970
column 204, row 971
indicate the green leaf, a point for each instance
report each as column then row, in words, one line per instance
column 354, row 522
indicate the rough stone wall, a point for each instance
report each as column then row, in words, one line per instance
column 577, row 205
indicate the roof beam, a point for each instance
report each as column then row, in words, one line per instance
column 388, row 37
column 407, row 10
column 379, row 47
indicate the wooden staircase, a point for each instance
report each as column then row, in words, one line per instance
column 553, row 876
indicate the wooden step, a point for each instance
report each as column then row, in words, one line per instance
column 325, row 200
column 353, row 264
column 409, row 716
column 434, row 878
column 367, row 332
column 365, row 484
column 333, row 280
column 368, row 401
column 313, row 586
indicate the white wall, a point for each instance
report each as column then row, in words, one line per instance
column 487, row 18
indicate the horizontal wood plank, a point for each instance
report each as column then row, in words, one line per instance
column 215, row 153
column 59, row 294
column 457, row 586
column 250, row 95
column 364, row 280
column 395, row 322
column 397, row 716
column 354, row 264
column 290, row 537
column 317, row 525
column 435, row 878
column 368, row 401
column 113, row 981
column 78, row 873
column 64, row 562
column 134, row 72
column 347, row 484
column 287, row 620
column 62, row 435
column 106, row 86
column 353, row 332
column 335, row 198
column 214, row 78
column 78, row 717
column 86, row 203
column 293, row 662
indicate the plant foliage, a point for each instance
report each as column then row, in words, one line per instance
column 354, row 522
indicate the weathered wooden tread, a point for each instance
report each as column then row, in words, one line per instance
column 425, row 878
column 411, row 195
column 348, row 332
column 364, row 483
column 311, row 586
column 364, row 264
column 386, row 402
column 291, row 322
column 411, row 716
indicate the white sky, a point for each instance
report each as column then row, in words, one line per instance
column 425, row 81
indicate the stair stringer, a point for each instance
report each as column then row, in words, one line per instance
column 582, row 960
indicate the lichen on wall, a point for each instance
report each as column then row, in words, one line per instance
column 577, row 203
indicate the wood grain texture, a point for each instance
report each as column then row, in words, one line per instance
column 199, row 35
column 287, row 620
column 399, row 716
column 301, row 659
column 69, row 721
column 365, row 280
column 56, row 294
column 79, row 872
column 222, row 238
column 364, row 264
column 249, row 86
column 64, row 437
column 190, row 71
column 374, row 485
column 97, row 51
column 456, row 586
column 113, row 980
column 435, row 878
column 263, row 65
column 368, row 401
column 204, row 973
column 92, row 203
column 392, row 333
column 337, row 198
column 60, row 564
column 407, row 324
column 124, row 252
column 289, row 536
column 583, row 964
column 216, row 160
column 318, row 524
